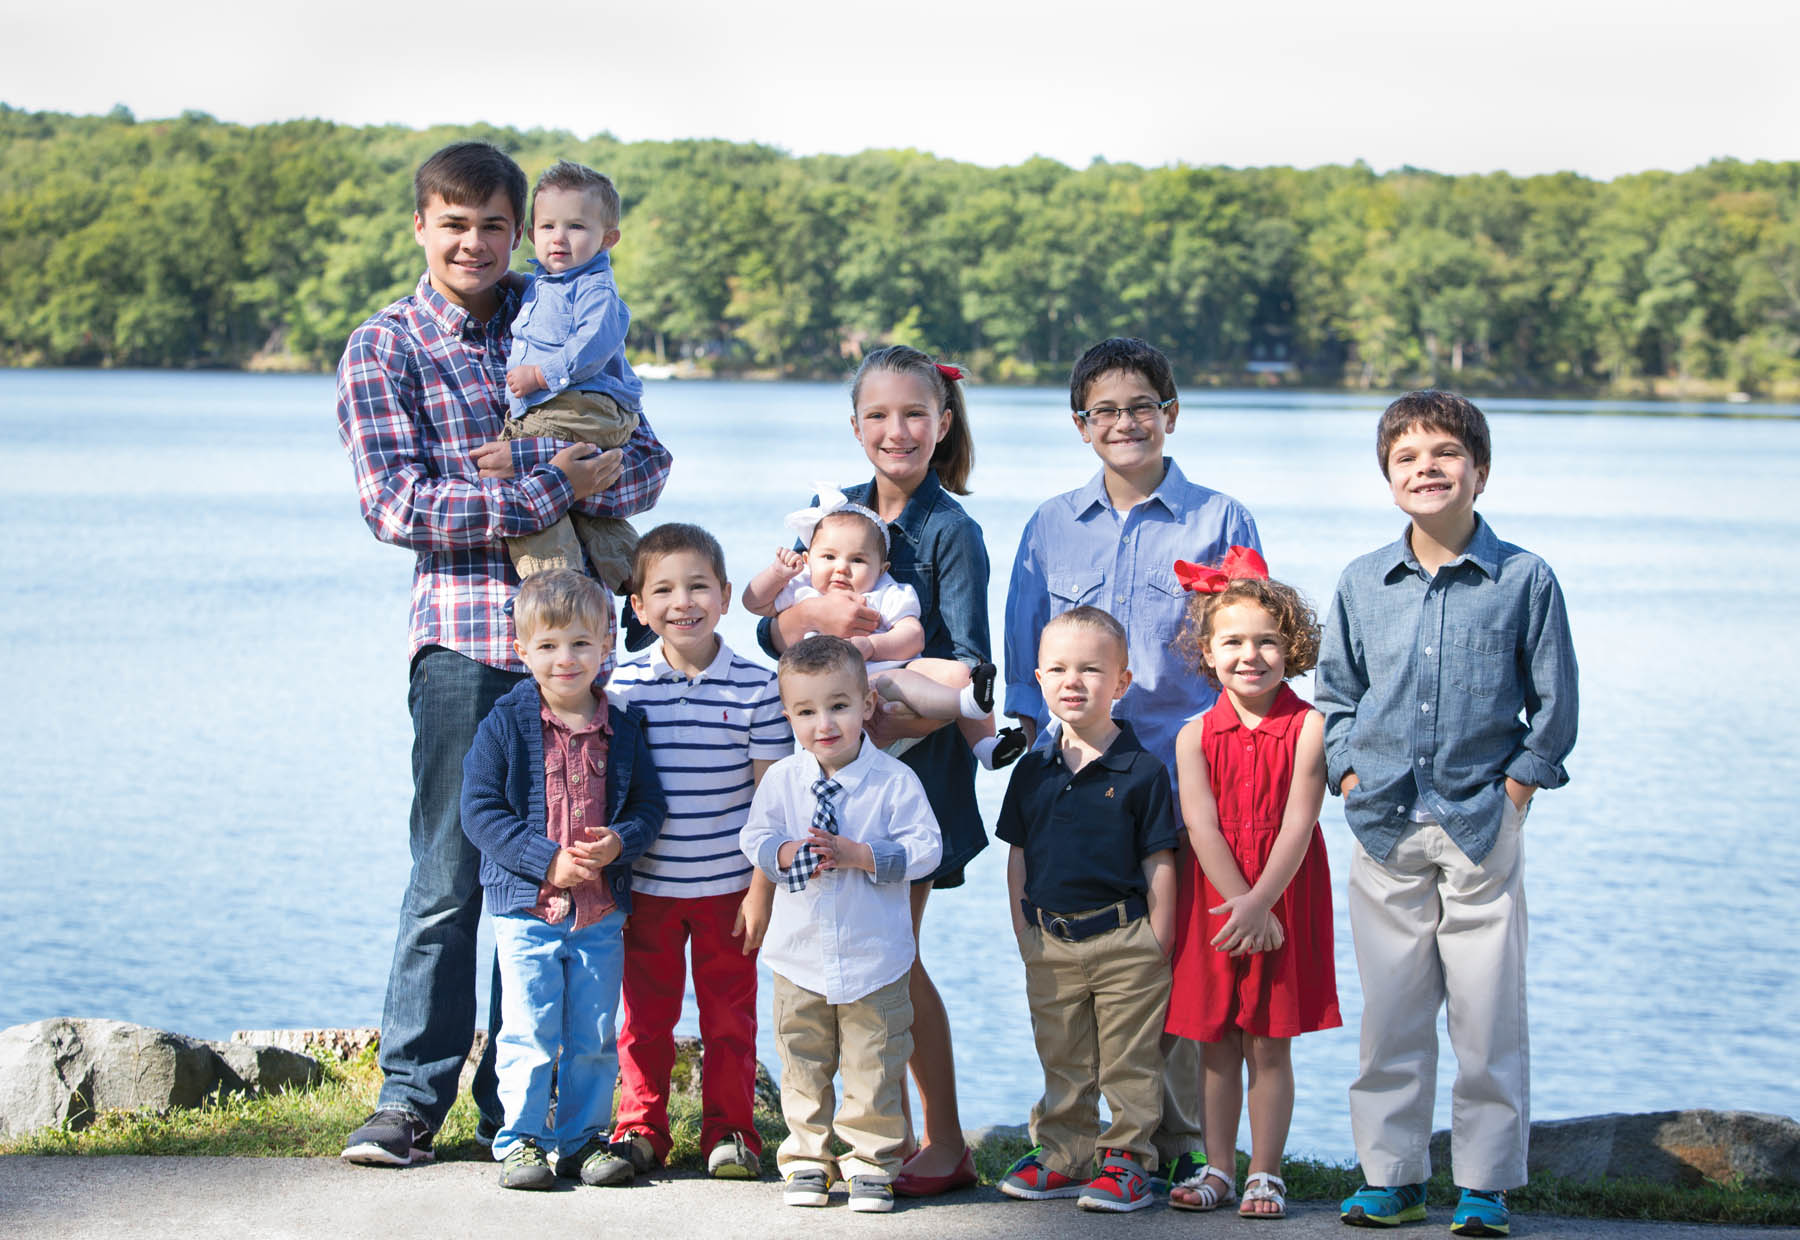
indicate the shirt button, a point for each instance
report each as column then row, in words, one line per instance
column 1428, row 650
column 578, row 811
column 1399, row 809
column 1421, row 762
column 1425, row 708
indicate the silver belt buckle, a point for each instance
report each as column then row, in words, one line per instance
column 1059, row 926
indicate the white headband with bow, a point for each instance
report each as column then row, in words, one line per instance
column 831, row 500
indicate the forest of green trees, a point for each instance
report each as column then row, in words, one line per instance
column 190, row 242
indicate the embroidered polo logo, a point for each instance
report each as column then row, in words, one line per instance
column 1109, row 792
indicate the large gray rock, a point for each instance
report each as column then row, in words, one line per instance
column 65, row 1071
column 1669, row 1147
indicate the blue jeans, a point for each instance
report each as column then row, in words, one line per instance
column 561, row 988
column 428, row 1021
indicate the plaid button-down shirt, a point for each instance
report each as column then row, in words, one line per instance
column 420, row 386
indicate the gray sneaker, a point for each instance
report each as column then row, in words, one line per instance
column 731, row 1159
column 526, row 1167
column 810, row 1187
column 871, row 1195
column 620, row 1162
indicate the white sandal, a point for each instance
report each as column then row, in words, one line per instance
column 1260, row 1186
column 1211, row 1198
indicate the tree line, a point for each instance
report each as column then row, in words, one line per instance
column 192, row 242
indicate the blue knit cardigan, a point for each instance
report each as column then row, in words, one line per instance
column 503, row 810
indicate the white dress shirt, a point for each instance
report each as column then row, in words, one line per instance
column 847, row 932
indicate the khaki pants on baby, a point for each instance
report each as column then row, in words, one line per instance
column 577, row 417
column 1432, row 927
column 870, row 1040
column 1097, row 1010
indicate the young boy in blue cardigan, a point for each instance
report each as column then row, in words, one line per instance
column 560, row 795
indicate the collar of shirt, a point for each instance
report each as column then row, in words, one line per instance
column 718, row 669
column 1116, row 757
column 453, row 320
column 911, row 521
column 1483, row 552
column 599, row 262
column 1285, row 714
column 600, row 722
column 1170, row 494
column 848, row 776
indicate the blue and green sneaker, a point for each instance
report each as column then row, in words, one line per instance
column 1481, row 1214
column 1384, row 1207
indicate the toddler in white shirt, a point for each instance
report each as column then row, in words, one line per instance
column 843, row 830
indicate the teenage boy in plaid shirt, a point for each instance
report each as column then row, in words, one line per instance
column 421, row 404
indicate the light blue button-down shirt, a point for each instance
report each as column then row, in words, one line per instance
column 572, row 325
column 1436, row 687
column 1078, row 549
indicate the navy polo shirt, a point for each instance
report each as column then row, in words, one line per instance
column 1086, row 835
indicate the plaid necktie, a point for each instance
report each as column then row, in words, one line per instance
column 806, row 862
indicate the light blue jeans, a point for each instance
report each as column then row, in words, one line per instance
column 559, row 990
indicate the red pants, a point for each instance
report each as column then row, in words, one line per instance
column 725, row 991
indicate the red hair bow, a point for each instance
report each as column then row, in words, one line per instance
column 951, row 373
column 1240, row 562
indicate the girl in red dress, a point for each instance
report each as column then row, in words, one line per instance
column 1253, row 956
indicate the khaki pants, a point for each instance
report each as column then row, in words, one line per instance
column 1097, row 1010
column 870, row 1040
column 577, row 417
column 1433, row 927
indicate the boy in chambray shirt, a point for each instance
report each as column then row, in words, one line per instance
column 566, row 373
column 1448, row 682
column 1113, row 544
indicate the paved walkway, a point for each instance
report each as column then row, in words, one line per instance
column 121, row 1198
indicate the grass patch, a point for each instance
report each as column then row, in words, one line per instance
column 314, row 1122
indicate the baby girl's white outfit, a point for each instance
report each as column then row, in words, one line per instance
column 894, row 601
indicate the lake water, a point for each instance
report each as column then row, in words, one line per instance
column 206, row 740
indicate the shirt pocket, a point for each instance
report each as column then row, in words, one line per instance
column 1480, row 660
column 1165, row 604
column 1074, row 590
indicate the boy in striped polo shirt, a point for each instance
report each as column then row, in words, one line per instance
column 714, row 724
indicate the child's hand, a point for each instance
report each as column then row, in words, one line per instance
column 523, row 380
column 1519, row 794
column 837, row 853
column 752, row 920
column 606, row 845
column 788, row 563
column 572, row 866
column 1247, row 925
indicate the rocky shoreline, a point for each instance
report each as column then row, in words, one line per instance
column 63, row 1072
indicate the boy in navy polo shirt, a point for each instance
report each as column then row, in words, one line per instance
column 1092, row 884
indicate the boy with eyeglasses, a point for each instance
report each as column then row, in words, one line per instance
column 1113, row 544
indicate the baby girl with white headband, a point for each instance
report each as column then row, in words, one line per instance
column 847, row 550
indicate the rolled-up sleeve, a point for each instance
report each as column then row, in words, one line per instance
column 1551, row 690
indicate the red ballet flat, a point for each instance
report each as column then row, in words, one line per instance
column 907, row 1184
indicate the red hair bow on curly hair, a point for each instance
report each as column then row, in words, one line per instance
column 1240, row 562
column 952, row 373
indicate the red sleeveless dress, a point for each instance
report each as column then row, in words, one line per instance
column 1274, row 994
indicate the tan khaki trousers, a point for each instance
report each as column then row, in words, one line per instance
column 870, row 1040
column 1097, row 1010
column 577, row 417
column 1432, row 927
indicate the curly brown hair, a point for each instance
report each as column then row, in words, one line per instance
column 1292, row 614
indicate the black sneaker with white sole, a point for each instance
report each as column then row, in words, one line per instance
column 389, row 1138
